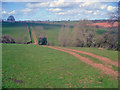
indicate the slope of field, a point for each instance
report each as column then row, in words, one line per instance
column 34, row 66
column 16, row 30
column 111, row 61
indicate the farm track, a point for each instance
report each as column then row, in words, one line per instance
column 34, row 36
column 103, row 59
column 101, row 67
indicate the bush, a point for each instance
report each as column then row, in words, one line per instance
column 7, row 39
column 42, row 41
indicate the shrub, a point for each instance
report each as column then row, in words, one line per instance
column 7, row 39
column 42, row 41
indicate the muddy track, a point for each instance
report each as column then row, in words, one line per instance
column 103, row 59
column 101, row 67
column 34, row 36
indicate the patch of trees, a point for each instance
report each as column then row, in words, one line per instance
column 83, row 35
column 42, row 41
column 7, row 39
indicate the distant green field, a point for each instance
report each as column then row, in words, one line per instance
column 51, row 31
column 19, row 30
column 101, row 31
column 16, row 30
column 42, row 67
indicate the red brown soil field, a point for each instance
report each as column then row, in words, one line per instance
column 105, row 24
column 101, row 67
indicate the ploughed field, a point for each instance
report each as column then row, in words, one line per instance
column 34, row 66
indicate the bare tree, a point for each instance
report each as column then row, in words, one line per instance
column 64, row 37
column 83, row 34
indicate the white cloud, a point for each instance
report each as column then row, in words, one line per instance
column 65, row 0
column 12, row 12
column 4, row 12
column 94, row 13
column 28, row 10
column 93, row 5
column 9, row 13
column 85, row 4
column 103, row 7
column 54, row 9
column 61, row 13
column 90, row 11
column 111, row 8
column 59, row 3
column 37, row 5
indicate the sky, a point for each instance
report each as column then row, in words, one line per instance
column 58, row 10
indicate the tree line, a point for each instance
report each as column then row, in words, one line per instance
column 84, row 35
column 81, row 35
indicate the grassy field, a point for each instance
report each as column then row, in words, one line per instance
column 16, row 30
column 41, row 67
column 19, row 31
column 51, row 31
column 101, row 31
column 34, row 66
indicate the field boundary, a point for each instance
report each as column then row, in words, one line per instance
column 29, row 34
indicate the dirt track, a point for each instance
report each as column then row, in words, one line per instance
column 103, row 59
column 34, row 36
column 101, row 67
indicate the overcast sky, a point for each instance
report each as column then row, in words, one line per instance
column 58, row 10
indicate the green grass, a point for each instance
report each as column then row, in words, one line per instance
column 16, row 30
column 31, row 34
column 51, row 30
column 101, row 31
column 41, row 67
column 113, row 55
